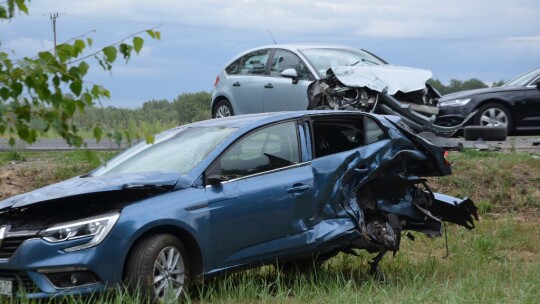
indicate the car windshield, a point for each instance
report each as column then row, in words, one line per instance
column 324, row 58
column 178, row 150
column 523, row 79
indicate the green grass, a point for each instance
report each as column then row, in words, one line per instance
column 498, row 262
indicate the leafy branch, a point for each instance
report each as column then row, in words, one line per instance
column 34, row 91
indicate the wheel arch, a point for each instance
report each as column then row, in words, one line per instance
column 191, row 244
column 503, row 103
column 499, row 101
column 218, row 99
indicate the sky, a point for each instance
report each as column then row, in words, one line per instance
column 458, row 39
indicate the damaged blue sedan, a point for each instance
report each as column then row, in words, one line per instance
column 227, row 194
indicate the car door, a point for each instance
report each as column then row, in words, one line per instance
column 263, row 178
column 283, row 93
column 531, row 105
column 246, row 85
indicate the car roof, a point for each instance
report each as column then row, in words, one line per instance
column 297, row 46
column 259, row 119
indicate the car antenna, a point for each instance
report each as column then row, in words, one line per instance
column 271, row 35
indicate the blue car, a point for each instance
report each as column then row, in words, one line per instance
column 224, row 194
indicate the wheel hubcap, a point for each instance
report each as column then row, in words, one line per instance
column 223, row 111
column 494, row 118
column 169, row 273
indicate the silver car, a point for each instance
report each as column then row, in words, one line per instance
column 299, row 77
column 276, row 77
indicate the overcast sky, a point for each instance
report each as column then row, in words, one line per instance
column 456, row 39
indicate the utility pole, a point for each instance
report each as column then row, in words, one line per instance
column 53, row 17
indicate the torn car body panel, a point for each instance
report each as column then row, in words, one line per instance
column 383, row 89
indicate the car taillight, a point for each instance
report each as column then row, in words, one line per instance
column 217, row 80
column 446, row 161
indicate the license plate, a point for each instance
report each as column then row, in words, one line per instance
column 6, row 288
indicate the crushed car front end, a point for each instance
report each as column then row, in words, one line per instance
column 383, row 89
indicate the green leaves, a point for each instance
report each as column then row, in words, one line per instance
column 137, row 44
column 110, row 53
column 76, row 87
column 45, row 93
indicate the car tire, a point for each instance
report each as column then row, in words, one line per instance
column 156, row 264
column 223, row 109
column 485, row 133
column 494, row 115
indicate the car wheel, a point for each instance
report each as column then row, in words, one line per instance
column 486, row 133
column 494, row 115
column 223, row 109
column 158, row 267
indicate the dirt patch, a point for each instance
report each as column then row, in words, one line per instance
column 14, row 180
column 22, row 176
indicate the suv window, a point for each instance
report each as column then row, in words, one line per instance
column 270, row 148
column 283, row 60
column 254, row 63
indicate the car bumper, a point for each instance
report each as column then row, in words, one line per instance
column 452, row 116
column 39, row 269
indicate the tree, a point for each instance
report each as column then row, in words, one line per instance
column 33, row 91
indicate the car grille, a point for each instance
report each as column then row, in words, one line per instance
column 21, row 281
column 10, row 244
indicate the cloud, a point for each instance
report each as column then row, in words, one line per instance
column 28, row 47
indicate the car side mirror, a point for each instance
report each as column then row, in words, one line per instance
column 214, row 180
column 290, row 73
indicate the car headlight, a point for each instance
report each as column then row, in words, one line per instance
column 454, row 102
column 96, row 227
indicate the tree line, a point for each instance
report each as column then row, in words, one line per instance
column 458, row 85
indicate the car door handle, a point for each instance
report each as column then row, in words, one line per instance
column 236, row 84
column 298, row 188
column 269, row 86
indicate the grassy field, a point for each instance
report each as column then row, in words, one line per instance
column 498, row 262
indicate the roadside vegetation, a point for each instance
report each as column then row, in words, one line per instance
column 498, row 262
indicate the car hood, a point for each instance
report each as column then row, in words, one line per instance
column 391, row 78
column 469, row 93
column 77, row 186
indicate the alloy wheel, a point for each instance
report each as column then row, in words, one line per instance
column 169, row 273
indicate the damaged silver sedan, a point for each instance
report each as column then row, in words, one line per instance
column 293, row 77
column 227, row 194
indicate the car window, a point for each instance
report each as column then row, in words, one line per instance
column 334, row 135
column 254, row 63
column 523, row 79
column 338, row 134
column 270, row 148
column 374, row 132
column 283, row 60
column 234, row 67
